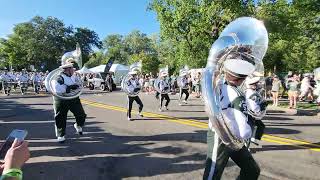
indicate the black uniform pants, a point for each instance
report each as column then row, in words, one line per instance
column 6, row 88
column 157, row 95
column 218, row 156
column 36, row 87
column 162, row 97
column 184, row 91
column 61, row 108
column 130, row 101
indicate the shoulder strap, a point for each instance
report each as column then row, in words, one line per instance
column 60, row 79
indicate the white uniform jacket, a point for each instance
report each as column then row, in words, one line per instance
column 234, row 107
column 59, row 85
column 133, row 84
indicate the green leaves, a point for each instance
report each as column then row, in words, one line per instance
column 42, row 42
column 191, row 26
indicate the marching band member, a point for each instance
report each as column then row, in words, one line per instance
column 36, row 80
column 133, row 87
column 256, row 108
column 184, row 86
column 236, row 54
column 13, row 77
column 233, row 103
column 6, row 79
column 23, row 81
column 164, row 88
column 65, row 83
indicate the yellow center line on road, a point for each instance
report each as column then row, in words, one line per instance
column 204, row 125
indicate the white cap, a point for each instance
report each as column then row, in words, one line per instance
column 252, row 80
column 164, row 74
column 133, row 72
column 238, row 67
column 68, row 65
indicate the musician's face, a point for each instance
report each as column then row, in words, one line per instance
column 69, row 71
column 234, row 80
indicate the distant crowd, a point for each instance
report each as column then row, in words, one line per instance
column 146, row 81
column 295, row 87
column 14, row 80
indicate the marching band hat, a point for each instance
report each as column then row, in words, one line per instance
column 68, row 63
column 238, row 67
column 163, row 74
column 252, row 80
column 133, row 72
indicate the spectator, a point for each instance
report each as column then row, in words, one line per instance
column 197, row 84
column 293, row 84
column 173, row 83
column 146, row 83
column 16, row 156
column 306, row 88
column 276, row 84
column 109, row 82
column 190, row 84
column 268, row 85
column 151, row 82
column 141, row 81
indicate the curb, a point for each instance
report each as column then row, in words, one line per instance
column 298, row 112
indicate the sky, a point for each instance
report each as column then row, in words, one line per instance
column 102, row 16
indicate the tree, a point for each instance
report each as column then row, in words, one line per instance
column 189, row 27
column 42, row 42
column 96, row 59
column 150, row 62
column 192, row 26
column 114, row 47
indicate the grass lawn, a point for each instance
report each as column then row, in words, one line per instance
column 301, row 105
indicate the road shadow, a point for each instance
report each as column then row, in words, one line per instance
column 195, row 118
column 282, row 147
column 98, row 154
column 276, row 118
column 119, row 156
column 276, row 130
column 176, row 110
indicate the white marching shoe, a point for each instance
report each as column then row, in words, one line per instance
column 160, row 109
column 140, row 114
column 184, row 101
column 129, row 119
column 61, row 139
column 78, row 129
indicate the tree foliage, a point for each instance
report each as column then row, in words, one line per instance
column 191, row 26
column 42, row 42
column 187, row 30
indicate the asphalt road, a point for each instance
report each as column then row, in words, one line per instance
column 162, row 145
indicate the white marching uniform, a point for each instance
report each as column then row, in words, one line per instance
column 254, row 103
column 36, row 78
column 23, row 78
column 61, row 87
column 133, row 86
column 305, row 87
column 5, row 77
column 64, row 84
column 164, row 86
column 234, row 106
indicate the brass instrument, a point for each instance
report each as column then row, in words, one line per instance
column 67, row 58
column 244, row 36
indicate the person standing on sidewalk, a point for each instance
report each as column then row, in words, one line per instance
column 276, row 84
